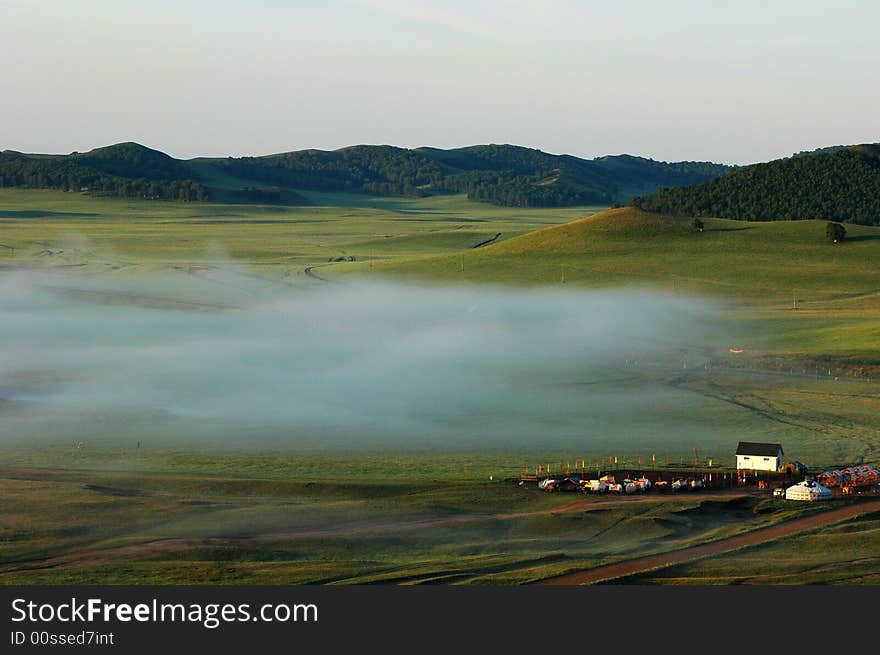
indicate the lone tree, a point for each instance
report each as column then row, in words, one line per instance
column 698, row 225
column 835, row 232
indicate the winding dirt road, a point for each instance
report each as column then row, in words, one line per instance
column 310, row 272
column 753, row 538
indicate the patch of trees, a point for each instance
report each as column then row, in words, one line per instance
column 835, row 232
column 132, row 175
column 508, row 189
column 628, row 170
column 133, row 161
column 840, row 185
column 380, row 170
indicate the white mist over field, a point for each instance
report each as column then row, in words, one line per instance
column 356, row 365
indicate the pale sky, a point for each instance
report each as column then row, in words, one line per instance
column 736, row 82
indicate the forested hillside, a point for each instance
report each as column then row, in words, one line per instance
column 126, row 169
column 500, row 174
column 837, row 184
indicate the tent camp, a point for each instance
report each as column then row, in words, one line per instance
column 808, row 490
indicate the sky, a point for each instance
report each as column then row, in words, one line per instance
column 735, row 82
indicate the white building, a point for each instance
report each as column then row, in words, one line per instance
column 751, row 456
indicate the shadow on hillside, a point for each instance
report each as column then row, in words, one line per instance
column 41, row 213
column 864, row 237
column 730, row 229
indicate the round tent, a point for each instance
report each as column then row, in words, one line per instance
column 808, row 490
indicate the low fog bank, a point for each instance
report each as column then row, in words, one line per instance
column 360, row 365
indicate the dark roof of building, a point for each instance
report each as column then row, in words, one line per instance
column 762, row 449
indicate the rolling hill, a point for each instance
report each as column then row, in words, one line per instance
column 755, row 261
column 838, row 184
column 499, row 174
column 760, row 271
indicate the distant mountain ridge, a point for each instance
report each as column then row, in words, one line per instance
column 839, row 183
column 501, row 174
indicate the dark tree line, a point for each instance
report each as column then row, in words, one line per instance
column 841, row 185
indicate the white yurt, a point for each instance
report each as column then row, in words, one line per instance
column 808, row 490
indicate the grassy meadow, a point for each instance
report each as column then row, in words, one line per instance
column 68, row 231
column 799, row 363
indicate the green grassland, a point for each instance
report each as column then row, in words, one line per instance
column 71, row 231
column 444, row 522
column 807, row 377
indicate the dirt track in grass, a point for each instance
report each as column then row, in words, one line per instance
column 752, row 538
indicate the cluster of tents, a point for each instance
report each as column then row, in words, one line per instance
column 854, row 476
column 608, row 484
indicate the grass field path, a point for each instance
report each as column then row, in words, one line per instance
column 752, row 538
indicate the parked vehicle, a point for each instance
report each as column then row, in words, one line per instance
column 558, row 484
column 548, row 484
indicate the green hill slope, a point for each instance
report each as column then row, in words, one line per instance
column 837, row 184
column 762, row 269
column 762, row 261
